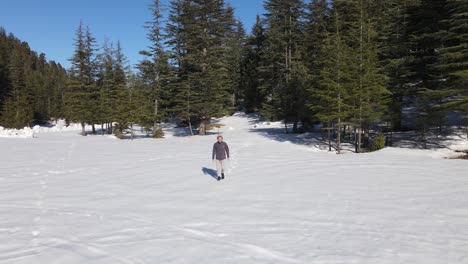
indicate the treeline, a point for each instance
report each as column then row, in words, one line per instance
column 355, row 65
column 31, row 88
column 352, row 66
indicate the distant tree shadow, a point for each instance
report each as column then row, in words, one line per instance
column 315, row 138
column 210, row 172
column 180, row 131
column 135, row 137
column 308, row 139
column 433, row 139
column 185, row 132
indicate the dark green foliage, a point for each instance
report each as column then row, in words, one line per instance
column 394, row 39
column 114, row 94
column 453, row 59
column 236, row 43
column 31, row 89
column 159, row 133
column 284, row 75
column 426, row 40
column 369, row 93
column 317, row 22
column 251, row 77
column 379, row 142
column 336, row 79
column 155, row 69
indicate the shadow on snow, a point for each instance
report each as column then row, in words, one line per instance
column 210, row 172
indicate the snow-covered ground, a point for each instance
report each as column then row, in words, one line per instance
column 71, row 199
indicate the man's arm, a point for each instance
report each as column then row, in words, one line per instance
column 227, row 150
column 213, row 155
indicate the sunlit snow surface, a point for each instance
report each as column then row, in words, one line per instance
column 70, row 199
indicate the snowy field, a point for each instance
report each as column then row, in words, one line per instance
column 70, row 199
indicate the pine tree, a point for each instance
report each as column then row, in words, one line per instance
column 114, row 106
column 284, row 52
column 336, row 80
column 82, row 96
column 58, row 84
column 28, row 83
column 453, row 60
column 124, row 101
column 235, row 44
column 317, row 20
column 369, row 91
column 199, row 36
column 4, row 62
column 251, row 62
column 106, row 85
column 394, row 52
column 426, row 23
column 211, row 96
column 155, row 69
column 18, row 110
column 177, row 35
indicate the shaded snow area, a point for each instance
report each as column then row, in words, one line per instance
column 447, row 145
column 71, row 199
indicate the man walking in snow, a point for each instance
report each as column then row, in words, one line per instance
column 220, row 152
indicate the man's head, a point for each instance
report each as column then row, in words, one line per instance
column 220, row 138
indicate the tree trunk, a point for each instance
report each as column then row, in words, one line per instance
column 188, row 112
column 83, row 131
column 102, row 128
column 190, row 125
column 94, row 129
column 343, row 137
column 466, row 127
column 48, row 107
column 338, row 136
column 366, row 137
column 359, row 140
column 285, row 126
column 155, row 120
column 202, row 128
column 424, row 137
column 355, row 141
column 329, row 139
column 391, row 138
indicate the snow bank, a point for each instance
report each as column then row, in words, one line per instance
column 28, row 132
column 18, row 133
column 56, row 128
column 267, row 124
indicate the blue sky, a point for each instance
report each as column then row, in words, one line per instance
column 49, row 25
